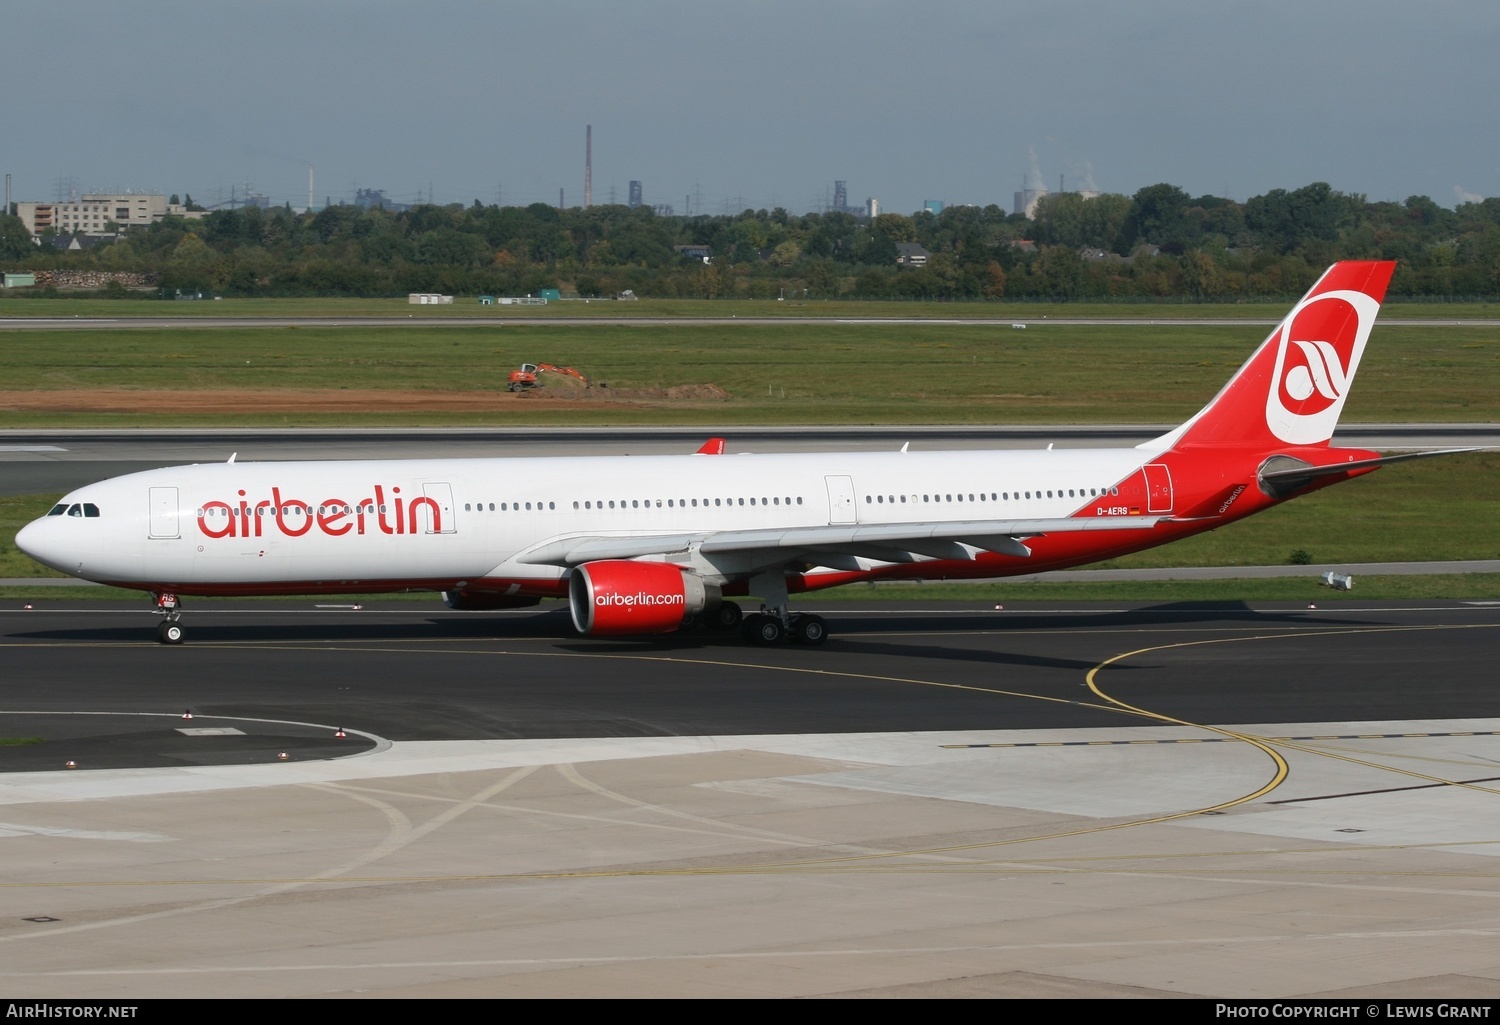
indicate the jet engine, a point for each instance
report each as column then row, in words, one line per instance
column 614, row 598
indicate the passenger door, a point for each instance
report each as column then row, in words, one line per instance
column 447, row 522
column 163, row 523
column 1158, row 488
column 841, row 505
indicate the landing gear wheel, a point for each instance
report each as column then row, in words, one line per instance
column 809, row 630
column 763, row 630
column 748, row 626
column 170, row 632
column 726, row 617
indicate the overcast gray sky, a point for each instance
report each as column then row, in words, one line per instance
column 751, row 104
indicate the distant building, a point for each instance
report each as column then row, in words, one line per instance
column 872, row 208
column 932, row 206
column 635, row 195
column 239, row 199
column 909, row 254
column 375, row 199
column 1027, row 200
column 693, row 252
column 98, row 213
column 37, row 217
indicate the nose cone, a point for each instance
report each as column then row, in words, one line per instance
column 38, row 539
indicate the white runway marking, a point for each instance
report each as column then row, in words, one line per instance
column 19, row 829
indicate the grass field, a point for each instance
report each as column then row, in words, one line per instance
column 1443, row 586
column 467, row 307
column 835, row 373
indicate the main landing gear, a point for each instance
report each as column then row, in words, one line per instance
column 767, row 629
column 773, row 624
column 169, row 630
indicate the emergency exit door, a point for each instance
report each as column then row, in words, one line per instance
column 1158, row 488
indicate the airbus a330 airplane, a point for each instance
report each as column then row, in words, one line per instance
column 644, row 545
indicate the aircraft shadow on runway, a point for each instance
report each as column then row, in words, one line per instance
column 1163, row 614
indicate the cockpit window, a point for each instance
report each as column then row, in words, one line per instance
column 75, row 509
column 58, row 510
column 90, row 509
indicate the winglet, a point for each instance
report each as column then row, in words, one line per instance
column 711, row 447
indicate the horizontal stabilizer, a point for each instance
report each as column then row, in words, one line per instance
column 1308, row 471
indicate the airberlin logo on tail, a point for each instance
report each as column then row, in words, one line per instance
column 1317, row 354
column 1314, row 376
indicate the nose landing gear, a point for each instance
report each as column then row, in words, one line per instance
column 169, row 630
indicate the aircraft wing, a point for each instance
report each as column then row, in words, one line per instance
column 886, row 542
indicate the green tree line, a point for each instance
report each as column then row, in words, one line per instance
column 1159, row 243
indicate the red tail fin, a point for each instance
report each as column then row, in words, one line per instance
column 1292, row 390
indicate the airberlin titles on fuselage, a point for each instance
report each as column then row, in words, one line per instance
column 294, row 517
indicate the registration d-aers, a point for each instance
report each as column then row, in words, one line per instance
column 647, row 545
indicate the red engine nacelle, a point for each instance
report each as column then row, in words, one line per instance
column 612, row 598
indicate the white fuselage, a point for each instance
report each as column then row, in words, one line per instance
column 443, row 522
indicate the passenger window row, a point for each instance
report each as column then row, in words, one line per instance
column 1003, row 496
column 510, row 506
column 637, row 503
column 297, row 510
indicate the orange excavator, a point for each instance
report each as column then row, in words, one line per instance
column 528, row 377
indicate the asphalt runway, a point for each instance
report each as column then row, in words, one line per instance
column 1099, row 802
column 91, row 682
